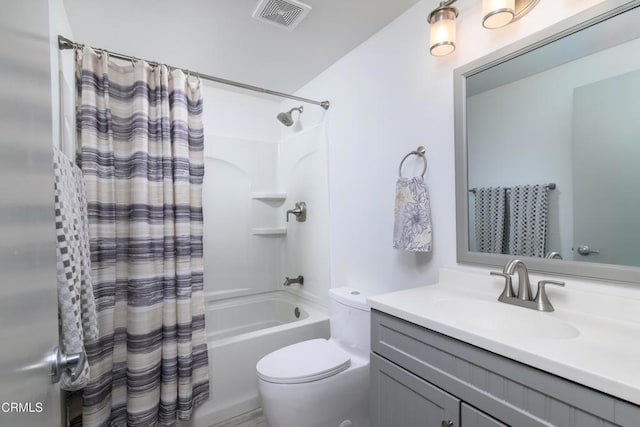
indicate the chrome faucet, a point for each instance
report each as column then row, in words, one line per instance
column 300, row 212
column 524, row 285
column 289, row 282
column 523, row 299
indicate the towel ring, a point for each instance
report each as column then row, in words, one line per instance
column 420, row 152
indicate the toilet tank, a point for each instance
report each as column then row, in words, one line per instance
column 349, row 317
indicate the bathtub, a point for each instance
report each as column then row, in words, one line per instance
column 240, row 331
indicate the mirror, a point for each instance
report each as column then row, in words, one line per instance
column 548, row 149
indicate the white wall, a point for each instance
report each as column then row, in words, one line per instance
column 387, row 97
column 605, row 173
column 62, row 80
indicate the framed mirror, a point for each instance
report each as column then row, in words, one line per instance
column 548, row 149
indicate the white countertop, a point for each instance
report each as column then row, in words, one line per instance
column 602, row 352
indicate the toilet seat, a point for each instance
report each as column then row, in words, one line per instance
column 303, row 362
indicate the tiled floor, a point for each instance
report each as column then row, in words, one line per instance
column 250, row 419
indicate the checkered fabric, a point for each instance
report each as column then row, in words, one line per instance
column 76, row 306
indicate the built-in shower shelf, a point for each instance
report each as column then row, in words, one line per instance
column 269, row 231
column 269, row 196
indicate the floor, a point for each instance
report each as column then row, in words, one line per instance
column 250, row 419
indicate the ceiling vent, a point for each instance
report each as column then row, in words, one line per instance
column 282, row 13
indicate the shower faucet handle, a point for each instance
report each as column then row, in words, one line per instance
column 300, row 212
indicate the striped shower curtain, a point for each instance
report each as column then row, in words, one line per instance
column 141, row 152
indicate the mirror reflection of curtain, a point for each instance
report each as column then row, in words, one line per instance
column 490, row 216
column 528, row 220
column 512, row 220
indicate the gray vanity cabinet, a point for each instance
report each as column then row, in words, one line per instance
column 400, row 398
column 422, row 378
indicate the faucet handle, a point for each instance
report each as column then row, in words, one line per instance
column 543, row 283
column 499, row 273
column 541, row 299
column 300, row 212
column 508, row 288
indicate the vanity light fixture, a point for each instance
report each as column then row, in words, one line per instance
column 443, row 29
column 498, row 13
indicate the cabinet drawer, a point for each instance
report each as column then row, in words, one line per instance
column 471, row 417
column 399, row 398
column 514, row 393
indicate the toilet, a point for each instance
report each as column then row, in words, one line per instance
column 322, row 383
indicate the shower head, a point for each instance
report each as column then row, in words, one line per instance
column 287, row 118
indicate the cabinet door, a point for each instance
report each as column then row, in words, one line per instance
column 399, row 398
column 471, row 417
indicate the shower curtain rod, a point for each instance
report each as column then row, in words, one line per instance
column 65, row 43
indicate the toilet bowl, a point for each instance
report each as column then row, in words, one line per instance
column 322, row 383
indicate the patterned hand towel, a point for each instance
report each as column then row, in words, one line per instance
column 412, row 227
column 490, row 227
column 76, row 306
column 528, row 211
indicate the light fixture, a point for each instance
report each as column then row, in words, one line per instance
column 443, row 29
column 498, row 13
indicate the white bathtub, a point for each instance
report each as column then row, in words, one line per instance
column 240, row 331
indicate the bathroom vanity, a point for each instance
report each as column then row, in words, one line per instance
column 438, row 360
column 421, row 377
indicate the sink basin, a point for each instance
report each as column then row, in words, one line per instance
column 505, row 319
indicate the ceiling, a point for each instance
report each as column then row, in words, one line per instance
column 220, row 38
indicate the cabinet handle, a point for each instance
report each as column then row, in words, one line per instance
column 446, row 423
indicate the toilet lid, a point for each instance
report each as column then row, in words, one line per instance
column 303, row 362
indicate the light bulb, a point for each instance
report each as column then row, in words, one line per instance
column 443, row 31
column 497, row 13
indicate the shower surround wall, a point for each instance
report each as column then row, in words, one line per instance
column 254, row 173
column 303, row 172
column 238, row 262
column 241, row 149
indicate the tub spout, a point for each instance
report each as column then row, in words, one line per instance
column 289, row 282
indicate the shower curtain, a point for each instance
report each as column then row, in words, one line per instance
column 140, row 148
